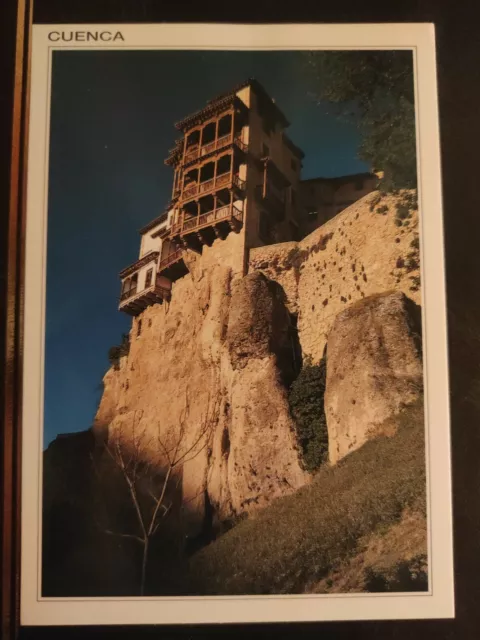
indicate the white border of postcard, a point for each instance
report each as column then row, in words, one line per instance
column 438, row 602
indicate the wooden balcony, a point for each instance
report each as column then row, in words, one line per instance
column 228, row 215
column 170, row 259
column 223, row 181
column 173, row 266
column 196, row 152
column 134, row 302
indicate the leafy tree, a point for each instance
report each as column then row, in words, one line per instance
column 307, row 408
column 375, row 90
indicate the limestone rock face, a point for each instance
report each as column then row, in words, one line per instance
column 374, row 368
column 223, row 351
column 207, row 367
column 263, row 460
column 354, row 255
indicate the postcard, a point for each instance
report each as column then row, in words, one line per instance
column 235, row 391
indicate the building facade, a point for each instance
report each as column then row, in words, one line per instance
column 321, row 199
column 234, row 171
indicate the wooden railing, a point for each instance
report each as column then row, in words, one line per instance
column 196, row 151
column 222, row 179
column 129, row 296
column 207, row 185
column 190, row 190
column 238, row 182
column 228, row 211
column 191, row 153
column 170, row 259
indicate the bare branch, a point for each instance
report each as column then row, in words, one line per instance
column 159, row 502
column 123, row 535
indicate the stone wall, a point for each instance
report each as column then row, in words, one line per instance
column 364, row 250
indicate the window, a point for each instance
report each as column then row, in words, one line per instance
column 265, row 150
column 125, row 287
column 148, row 278
column 133, row 284
column 294, row 165
column 139, row 328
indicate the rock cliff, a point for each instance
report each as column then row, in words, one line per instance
column 213, row 365
column 374, row 369
column 212, row 362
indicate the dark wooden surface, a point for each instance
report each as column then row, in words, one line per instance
column 458, row 45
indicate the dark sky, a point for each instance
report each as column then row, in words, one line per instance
column 112, row 123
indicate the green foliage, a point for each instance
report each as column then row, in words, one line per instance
column 373, row 89
column 117, row 351
column 306, row 406
column 299, row 538
column 406, row 576
column 403, row 212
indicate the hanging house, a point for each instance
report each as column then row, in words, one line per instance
column 234, row 171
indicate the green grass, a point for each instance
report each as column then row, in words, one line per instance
column 299, row 538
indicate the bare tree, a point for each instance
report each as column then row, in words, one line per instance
column 139, row 458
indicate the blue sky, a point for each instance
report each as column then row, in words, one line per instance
column 112, row 123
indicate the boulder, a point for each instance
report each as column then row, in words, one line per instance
column 374, row 368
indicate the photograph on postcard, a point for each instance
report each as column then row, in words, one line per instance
column 233, row 399
column 232, row 390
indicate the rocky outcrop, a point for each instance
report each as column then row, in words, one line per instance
column 374, row 369
column 365, row 249
column 212, row 366
column 209, row 366
column 263, row 460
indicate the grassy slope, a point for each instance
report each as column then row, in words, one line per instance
column 300, row 539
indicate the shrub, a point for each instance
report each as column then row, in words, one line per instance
column 117, row 351
column 415, row 243
column 402, row 211
column 306, row 406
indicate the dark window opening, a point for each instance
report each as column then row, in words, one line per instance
column 207, row 171
column 208, row 133
column 224, row 164
column 193, row 138
column 139, row 328
column 133, row 284
column 191, row 177
column 224, row 126
column 148, row 278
